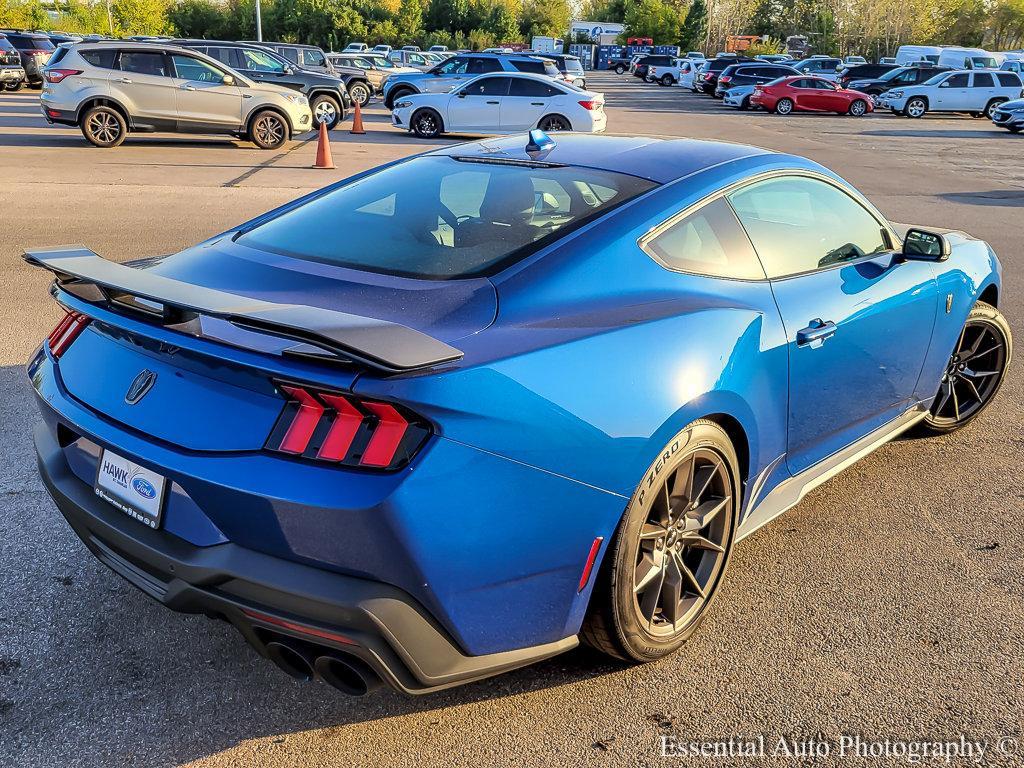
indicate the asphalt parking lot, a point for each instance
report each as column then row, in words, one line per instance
column 889, row 603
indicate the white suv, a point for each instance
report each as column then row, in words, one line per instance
column 977, row 91
column 112, row 88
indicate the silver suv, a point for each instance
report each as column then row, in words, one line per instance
column 112, row 88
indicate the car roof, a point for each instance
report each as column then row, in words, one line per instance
column 657, row 159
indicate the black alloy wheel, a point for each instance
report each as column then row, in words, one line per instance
column 666, row 562
column 554, row 123
column 975, row 370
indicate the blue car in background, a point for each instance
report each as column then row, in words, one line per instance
column 453, row 415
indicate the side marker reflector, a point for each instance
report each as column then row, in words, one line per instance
column 585, row 576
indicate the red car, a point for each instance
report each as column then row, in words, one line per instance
column 809, row 94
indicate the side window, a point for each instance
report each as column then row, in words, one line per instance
column 1008, row 80
column 798, row 224
column 417, row 60
column 143, row 63
column 707, row 242
column 259, row 61
column 313, row 58
column 525, row 65
column 292, row 54
column 488, row 86
column 222, row 54
column 187, row 68
column 480, row 66
column 102, row 58
column 456, row 66
column 982, row 80
column 522, row 86
column 957, row 81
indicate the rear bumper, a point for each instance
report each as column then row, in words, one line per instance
column 9, row 74
column 379, row 623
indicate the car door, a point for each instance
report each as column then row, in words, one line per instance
column 476, row 107
column 445, row 77
column 204, row 100
column 527, row 102
column 858, row 321
column 953, row 93
column 830, row 97
column 144, row 84
column 806, row 94
column 982, row 90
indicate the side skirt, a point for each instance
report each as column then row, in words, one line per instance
column 789, row 492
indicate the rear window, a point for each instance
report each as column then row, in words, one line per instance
column 536, row 66
column 440, row 218
column 573, row 65
column 1009, row 80
column 29, row 42
column 5, row 44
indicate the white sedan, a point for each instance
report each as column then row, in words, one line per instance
column 502, row 102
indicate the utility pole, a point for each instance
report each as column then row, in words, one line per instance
column 110, row 19
column 259, row 23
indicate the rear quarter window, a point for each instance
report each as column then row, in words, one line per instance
column 104, row 59
column 1009, row 80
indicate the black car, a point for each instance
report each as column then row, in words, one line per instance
column 901, row 76
column 651, row 61
column 864, row 72
column 35, row 50
column 570, row 66
column 707, row 80
column 308, row 57
column 12, row 74
column 329, row 98
column 754, row 73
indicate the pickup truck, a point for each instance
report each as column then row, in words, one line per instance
column 670, row 74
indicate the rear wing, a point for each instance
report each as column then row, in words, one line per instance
column 385, row 346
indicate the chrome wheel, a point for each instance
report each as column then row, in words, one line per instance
column 325, row 112
column 916, row 107
column 858, row 108
column 973, row 373
column 360, row 93
column 103, row 127
column 992, row 106
column 269, row 131
column 682, row 543
column 784, row 106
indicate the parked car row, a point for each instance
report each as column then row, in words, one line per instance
column 848, row 87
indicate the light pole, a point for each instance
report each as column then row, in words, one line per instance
column 259, row 23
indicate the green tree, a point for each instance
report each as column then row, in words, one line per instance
column 140, row 17
column 197, row 18
column 545, row 17
column 654, row 19
column 693, row 34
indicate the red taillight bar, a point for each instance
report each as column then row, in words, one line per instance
column 67, row 330
column 386, row 437
column 344, row 429
column 302, row 628
column 300, row 431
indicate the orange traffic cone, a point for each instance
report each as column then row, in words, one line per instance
column 323, row 149
column 357, row 119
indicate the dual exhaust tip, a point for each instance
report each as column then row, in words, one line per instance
column 350, row 675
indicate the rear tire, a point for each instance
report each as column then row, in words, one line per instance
column 667, row 80
column 360, row 92
column 619, row 69
column 325, row 109
column 974, row 373
column 664, row 566
column 14, row 86
column 784, row 107
column 991, row 106
column 396, row 95
column 550, row 123
column 104, row 127
column 268, row 130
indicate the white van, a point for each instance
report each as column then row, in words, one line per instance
column 967, row 58
column 912, row 54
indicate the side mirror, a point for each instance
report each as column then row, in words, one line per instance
column 919, row 245
column 288, row 71
column 461, row 94
column 228, row 80
column 944, row 84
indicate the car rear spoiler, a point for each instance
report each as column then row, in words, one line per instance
column 385, row 346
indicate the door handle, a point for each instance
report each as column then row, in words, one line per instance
column 125, row 80
column 814, row 335
column 188, row 87
column 493, row 102
column 536, row 103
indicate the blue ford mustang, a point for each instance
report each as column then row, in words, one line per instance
column 451, row 416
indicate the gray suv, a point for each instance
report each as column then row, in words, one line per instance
column 458, row 69
column 110, row 89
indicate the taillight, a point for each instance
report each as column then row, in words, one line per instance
column 725, row 79
column 56, row 75
column 590, row 104
column 68, row 329
column 342, row 429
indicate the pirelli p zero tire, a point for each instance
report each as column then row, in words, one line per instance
column 665, row 564
column 975, row 371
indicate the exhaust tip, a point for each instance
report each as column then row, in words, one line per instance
column 348, row 674
column 291, row 661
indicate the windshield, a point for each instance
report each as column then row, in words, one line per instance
column 573, row 65
column 934, row 80
column 441, row 218
column 890, row 75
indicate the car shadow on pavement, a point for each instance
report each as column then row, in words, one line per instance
column 980, row 133
column 95, row 673
column 998, row 197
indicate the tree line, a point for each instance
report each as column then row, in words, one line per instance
column 871, row 28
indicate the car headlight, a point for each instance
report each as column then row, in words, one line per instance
column 895, row 94
column 403, row 104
